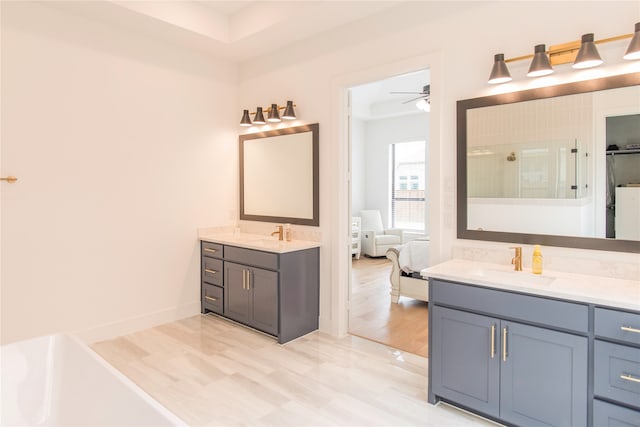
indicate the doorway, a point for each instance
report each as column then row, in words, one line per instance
column 389, row 146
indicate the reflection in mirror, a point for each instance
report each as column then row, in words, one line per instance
column 536, row 166
column 279, row 175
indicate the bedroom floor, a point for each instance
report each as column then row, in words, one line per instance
column 373, row 316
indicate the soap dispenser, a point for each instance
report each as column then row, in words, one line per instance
column 536, row 262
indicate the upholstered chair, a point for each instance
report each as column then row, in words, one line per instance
column 375, row 239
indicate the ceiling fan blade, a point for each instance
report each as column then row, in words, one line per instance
column 414, row 99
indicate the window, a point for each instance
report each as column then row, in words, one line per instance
column 408, row 179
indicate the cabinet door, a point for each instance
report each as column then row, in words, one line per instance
column 263, row 306
column 236, row 294
column 465, row 364
column 543, row 377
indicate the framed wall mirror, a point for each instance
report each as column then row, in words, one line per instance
column 556, row 166
column 279, row 175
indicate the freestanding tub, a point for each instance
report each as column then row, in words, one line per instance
column 57, row 380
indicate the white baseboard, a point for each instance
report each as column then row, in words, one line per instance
column 133, row 324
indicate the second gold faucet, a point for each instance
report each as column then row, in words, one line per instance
column 517, row 259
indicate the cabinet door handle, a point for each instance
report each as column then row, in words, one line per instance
column 208, row 298
column 244, row 279
column 629, row 329
column 629, row 377
column 248, row 279
column 210, row 250
column 207, row 270
column 504, row 344
column 493, row 341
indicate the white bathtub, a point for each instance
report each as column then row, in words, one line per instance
column 57, row 380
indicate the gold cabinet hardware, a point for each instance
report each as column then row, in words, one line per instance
column 10, row 179
column 248, row 279
column 210, row 250
column 629, row 377
column 207, row 270
column 504, row 344
column 208, row 298
column 630, row 329
column 244, row 279
column 493, row 341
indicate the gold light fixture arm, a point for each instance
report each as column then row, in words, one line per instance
column 566, row 52
column 268, row 109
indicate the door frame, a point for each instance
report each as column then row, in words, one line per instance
column 340, row 233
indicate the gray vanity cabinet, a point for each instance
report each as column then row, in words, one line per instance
column 617, row 368
column 543, row 376
column 470, row 378
column 251, row 296
column 276, row 293
column 491, row 352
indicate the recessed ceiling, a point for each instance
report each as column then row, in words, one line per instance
column 236, row 30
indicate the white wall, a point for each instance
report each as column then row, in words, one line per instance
column 380, row 135
column 123, row 146
column 457, row 41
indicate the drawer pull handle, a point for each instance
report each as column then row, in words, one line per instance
column 629, row 377
column 493, row 341
column 630, row 329
column 207, row 270
column 504, row 344
column 208, row 298
column 210, row 250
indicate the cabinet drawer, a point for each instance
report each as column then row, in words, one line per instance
column 212, row 298
column 212, row 271
column 213, row 250
column 609, row 415
column 544, row 311
column 251, row 257
column 617, row 372
column 618, row 325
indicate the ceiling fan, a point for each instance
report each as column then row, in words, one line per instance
column 424, row 100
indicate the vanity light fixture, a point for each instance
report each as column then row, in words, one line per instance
column 273, row 115
column 246, row 120
column 633, row 51
column 289, row 113
column 588, row 56
column 499, row 72
column 540, row 66
column 583, row 54
column 258, row 119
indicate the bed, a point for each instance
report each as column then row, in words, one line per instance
column 407, row 260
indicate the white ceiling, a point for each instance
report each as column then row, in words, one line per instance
column 375, row 101
column 237, row 30
column 244, row 30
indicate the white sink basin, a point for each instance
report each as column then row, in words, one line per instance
column 511, row 276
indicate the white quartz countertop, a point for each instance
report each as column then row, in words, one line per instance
column 259, row 242
column 618, row 293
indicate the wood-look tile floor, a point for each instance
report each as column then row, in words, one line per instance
column 373, row 316
column 209, row 371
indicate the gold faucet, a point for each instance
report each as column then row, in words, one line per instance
column 517, row 260
column 279, row 232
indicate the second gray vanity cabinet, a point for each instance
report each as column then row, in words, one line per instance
column 543, row 376
column 483, row 357
column 470, row 378
column 251, row 296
